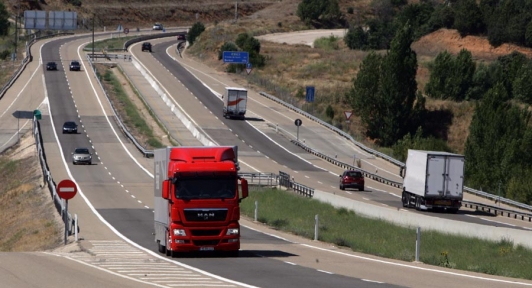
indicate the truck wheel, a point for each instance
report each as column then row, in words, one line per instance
column 161, row 248
column 404, row 199
column 168, row 251
column 418, row 203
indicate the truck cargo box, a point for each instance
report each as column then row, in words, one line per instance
column 435, row 179
column 235, row 101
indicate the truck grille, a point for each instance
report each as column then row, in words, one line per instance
column 206, row 242
column 205, row 215
column 214, row 232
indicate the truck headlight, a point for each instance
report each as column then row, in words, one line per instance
column 232, row 231
column 180, row 232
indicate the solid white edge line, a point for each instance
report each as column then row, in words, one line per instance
column 100, row 217
column 418, row 268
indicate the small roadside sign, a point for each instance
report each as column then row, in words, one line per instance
column 298, row 122
column 236, row 57
column 67, row 189
column 309, row 97
column 126, row 30
column 348, row 115
column 249, row 67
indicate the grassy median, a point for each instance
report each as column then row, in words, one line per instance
column 289, row 212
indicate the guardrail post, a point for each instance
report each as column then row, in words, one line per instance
column 418, row 240
column 256, row 209
column 316, row 228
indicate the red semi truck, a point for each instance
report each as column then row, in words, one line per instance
column 197, row 199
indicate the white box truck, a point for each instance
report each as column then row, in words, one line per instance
column 235, row 101
column 433, row 180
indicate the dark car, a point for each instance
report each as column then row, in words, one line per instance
column 181, row 37
column 75, row 66
column 70, row 127
column 146, row 46
column 51, row 66
column 352, row 179
column 82, row 155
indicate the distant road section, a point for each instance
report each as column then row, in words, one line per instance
column 305, row 37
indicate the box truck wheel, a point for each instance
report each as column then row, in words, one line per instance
column 418, row 203
column 162, row 248
column 405, row 200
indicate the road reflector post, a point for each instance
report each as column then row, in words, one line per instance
column 316, row 228
column 256, row 209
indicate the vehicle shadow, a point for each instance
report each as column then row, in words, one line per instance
column 241, row 254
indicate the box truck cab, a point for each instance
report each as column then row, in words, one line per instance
column 433, row 180
column 235, row 101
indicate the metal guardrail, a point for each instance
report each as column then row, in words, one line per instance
column 147, row 153
column 58, row 202
column 149, row 37
column 286, row 181
column 386, row 157
column 26, row 60
column 260, row 179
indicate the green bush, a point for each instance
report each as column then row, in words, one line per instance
column 194, row 32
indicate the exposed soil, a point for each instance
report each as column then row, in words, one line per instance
column 30, row 221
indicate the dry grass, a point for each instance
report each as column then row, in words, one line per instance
column 29, row 219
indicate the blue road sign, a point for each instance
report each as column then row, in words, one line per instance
column 248, row 65
column 236, row 57
column 310, row 94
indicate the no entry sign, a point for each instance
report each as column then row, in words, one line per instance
column 67, row 189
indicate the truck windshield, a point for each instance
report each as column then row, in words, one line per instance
column 206, row 187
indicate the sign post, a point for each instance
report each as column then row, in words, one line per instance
column 298, row 123
column 66, row 189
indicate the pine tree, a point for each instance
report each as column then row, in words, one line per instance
column 397, row 89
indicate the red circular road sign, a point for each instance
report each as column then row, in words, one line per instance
column 67, row 189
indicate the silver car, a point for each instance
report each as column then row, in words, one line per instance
column 82, row 155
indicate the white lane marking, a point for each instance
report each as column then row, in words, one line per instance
column 290, row 263
column 489, row 220
column 372, row 281
column 323, row 271
column 419, row 268
column 113, row 229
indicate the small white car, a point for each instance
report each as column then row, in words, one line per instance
column 157, row 26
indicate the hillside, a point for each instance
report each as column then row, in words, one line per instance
column 291, row 67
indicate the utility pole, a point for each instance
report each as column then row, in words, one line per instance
column 16, row 31
column 236, row 11
column 93, row 19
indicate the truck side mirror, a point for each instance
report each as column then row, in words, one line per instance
column 165, row 189
column 402, row 172
column 244, row 185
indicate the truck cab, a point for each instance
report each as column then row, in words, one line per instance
column 197, row 199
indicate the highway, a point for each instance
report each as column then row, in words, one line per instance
column 118, row 185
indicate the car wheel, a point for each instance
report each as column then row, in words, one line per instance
column 90, row 163
column 342, row 187
column 73, row 163
column 361, row 188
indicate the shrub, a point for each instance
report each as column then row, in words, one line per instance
column 195, row 31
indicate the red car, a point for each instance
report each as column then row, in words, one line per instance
column 352, row 179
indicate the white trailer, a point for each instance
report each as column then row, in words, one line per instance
column 235, row 101
column 433, row 180
column 161, row 157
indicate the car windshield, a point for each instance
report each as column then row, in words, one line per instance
column 354, row 174
column 205, row 186
column 70, row 124
column 75, row 63
column 81, row 151
column 51, row 63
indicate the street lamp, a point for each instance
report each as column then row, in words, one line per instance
column 93, row 18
